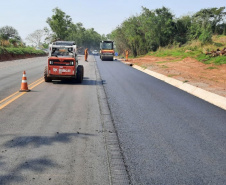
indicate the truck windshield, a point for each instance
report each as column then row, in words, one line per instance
column 62, row 51
column 106, row 45
column 64, row 43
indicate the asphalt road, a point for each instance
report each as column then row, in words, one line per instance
column 167, row 136
column 53, row 134
column 62, row 132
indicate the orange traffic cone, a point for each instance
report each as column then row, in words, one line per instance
column 24, row 86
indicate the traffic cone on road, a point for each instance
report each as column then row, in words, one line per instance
column 24, row 86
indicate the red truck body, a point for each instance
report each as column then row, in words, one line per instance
column 63, row 63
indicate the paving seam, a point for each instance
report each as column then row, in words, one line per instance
column 210, row 97
column 118, row 173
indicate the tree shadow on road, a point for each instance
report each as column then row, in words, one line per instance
column 37, row 141
column 38, row 165
column 21, row 172
column 1, row 163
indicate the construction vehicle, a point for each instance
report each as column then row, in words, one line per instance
column 63, row 62
column 107, row 50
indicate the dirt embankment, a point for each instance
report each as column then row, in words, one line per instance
column 206, row 76
column 5, row 57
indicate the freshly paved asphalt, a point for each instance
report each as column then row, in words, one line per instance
column 167, row 136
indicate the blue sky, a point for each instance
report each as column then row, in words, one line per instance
column 103, row 15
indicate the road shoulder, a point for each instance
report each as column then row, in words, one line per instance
column 118, row 173
column 210, row 97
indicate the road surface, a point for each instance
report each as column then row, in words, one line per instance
column 68, row 133
column 167, row 136
column 55, row 133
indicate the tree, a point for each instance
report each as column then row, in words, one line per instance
column 206, row 35
column 76, row 33
column 63, row 28
column 207, row 22
column 9, row 36
column 49, row 36
column 158, row 28
column 35, row 38
column 182, row 26
column 211, row 16
column 91, row 38
column 60, row 23
column 8, row 32
column 120, row 40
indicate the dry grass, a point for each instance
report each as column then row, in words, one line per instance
column 5, row 43
column 219, row 39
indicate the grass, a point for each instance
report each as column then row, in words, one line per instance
column 175, row 52
column 20, row 50
column 172, row 75
column 144, row 67
column 194, row 49
column 212, row 67
column 163, row 66
column 206, row 59
column 162, row 62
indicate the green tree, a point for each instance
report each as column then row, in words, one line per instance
column 206, row 35
column 133, row 35
column 60, row 23
column 92, row 38
column 207, row 22
column 211, row 16
column 76, row 33
column 10, row 36
column 120, row 40
column 64, row 29
column 182, row 26
column 9, row 33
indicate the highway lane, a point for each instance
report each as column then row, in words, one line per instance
column 53, row 134
column 167, row 136
column 11, row 73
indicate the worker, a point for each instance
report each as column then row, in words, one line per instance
column 127, row 54
column 86, row 54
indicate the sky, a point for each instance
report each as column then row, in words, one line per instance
column 26, row 16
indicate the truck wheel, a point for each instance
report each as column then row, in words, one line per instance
column 80, row 73
column 45, row 76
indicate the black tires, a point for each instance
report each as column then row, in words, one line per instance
column 45, row 75
column 80, row 73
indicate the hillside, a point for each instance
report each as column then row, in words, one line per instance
column 190, row 65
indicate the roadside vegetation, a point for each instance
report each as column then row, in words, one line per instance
column 63, row 28
column 12, row 45
column 157, row 32
column 195, row 49
column 20, row 51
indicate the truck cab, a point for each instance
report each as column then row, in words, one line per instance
column 107, row 50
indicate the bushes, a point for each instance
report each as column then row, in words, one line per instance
column 20, row 51
column 9, row 53
column 194, row 49
column 2, row 50
column 157, row 28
